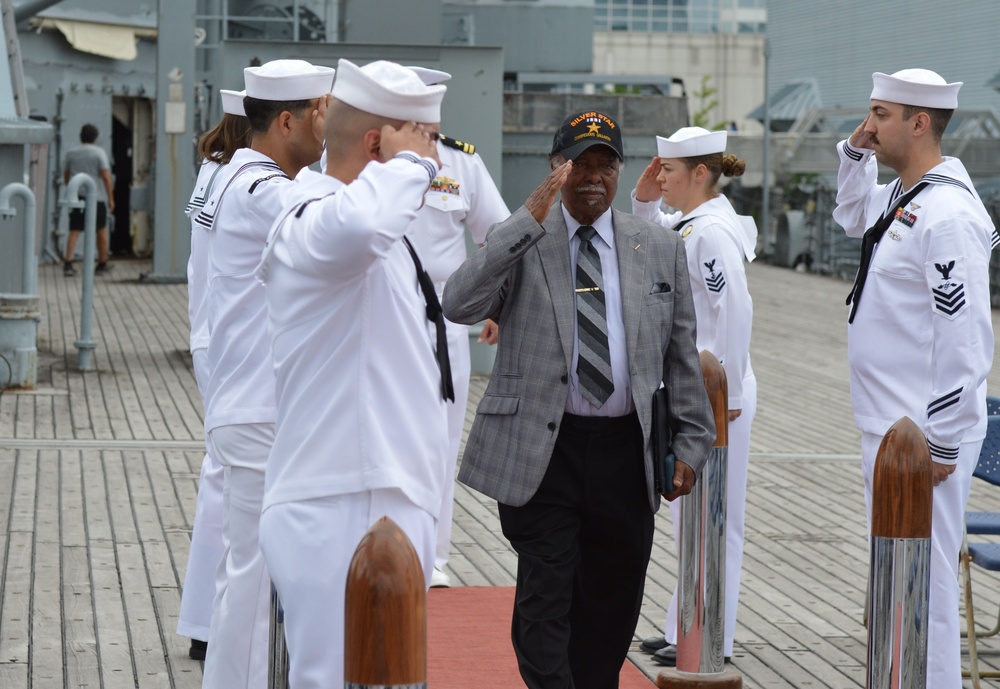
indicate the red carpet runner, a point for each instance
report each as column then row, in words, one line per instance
column 468, row 640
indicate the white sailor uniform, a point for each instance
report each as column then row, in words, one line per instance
column 921, row 345
column 717, row 241
column 462, row 196
column 240, row 407
column 361, row 430
column 201, row 579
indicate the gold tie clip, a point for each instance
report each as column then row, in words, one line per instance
column 588, row 289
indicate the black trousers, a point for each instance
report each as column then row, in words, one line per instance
column 583, row 542
column 76, row 218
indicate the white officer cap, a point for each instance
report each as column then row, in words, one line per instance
column 916, row 87
column 388, row 90
column 430, row 76
column 688, row 142
column 232, row 102
column 287, row 80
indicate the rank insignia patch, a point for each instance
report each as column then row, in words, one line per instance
column 714, row 280
column 944, row 401
column 949, row 295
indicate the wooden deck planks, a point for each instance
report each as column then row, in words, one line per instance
column 93, row 540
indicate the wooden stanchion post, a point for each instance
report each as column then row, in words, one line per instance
column 385, row 617
column 899, row 579
column 701, row 600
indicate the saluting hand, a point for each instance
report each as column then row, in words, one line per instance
column 860, row 138
column 648, row 187
column 540, row 202
column 684, row 478
column 319, row 116
column 409, row 137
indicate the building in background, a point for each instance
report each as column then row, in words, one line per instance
column 519, row 66
column 822, row 59
column 959, row 42
column 98, row 61
column 711, row 45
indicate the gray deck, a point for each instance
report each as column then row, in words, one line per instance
column 98, row 476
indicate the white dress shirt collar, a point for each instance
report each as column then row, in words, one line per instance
column 603, row 225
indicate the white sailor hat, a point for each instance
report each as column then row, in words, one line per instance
column 430, row 76
column 389, row 90
column 916, row 87
column 288, row 80
column 688, row 142
column 232, row 102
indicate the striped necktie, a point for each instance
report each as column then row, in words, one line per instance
column 594, row 360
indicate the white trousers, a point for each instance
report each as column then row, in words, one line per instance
column 206, row 569
column 737, row 468
column 944, row 651
column 237, row 643
column 458, row 354
column 308, row 546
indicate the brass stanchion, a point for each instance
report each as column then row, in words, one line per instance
column 899, row 579
column 701, row 590
column 385, row 617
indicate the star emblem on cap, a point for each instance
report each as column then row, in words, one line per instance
column 593, row 128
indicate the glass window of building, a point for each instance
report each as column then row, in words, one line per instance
column 681, row 16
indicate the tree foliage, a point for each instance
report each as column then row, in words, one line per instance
column 706, row 103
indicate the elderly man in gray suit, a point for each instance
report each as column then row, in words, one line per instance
column 595, row 312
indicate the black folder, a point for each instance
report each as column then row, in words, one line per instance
column 663, row 458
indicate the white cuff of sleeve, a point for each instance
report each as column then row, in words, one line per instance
column 645, row 209
column 856, row 154
column 943, row 454
column 427, row 163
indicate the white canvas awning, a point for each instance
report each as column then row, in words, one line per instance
column 115, row 41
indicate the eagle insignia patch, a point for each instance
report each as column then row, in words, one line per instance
column 714, row 279
column 949, row 294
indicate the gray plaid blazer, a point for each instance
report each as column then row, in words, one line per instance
column 521, row 279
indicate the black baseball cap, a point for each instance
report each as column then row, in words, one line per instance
column 582, row 130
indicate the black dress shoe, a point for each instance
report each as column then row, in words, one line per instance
column 198, row 649
column 652, row 644
column 666, row 655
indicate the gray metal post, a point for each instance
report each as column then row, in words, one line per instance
column 29, row 280
column 19, row 314
column 765, row 210
column 175, row 168
column 85, row 344
column 277, row 651
column 701, row 586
